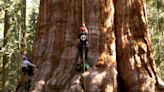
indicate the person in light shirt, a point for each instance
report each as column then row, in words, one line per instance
column 27, row 66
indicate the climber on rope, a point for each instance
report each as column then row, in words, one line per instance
column 27, row 66
column 83, row 44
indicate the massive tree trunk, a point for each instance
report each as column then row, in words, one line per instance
column 55, row 49
column 111, row 24
column 135, row 64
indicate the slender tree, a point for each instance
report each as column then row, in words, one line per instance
column 5, row 55
column 23, row 26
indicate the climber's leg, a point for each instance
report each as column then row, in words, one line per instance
column 24, row 70
column 30, row 71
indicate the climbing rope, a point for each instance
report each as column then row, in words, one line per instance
column 83, row 12
column 83, row 23
column 84, row 64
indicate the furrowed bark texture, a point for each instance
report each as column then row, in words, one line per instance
column 117, row 30
column 135, row 64
column 55, row 48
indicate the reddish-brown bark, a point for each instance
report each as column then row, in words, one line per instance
column 55, row 48
column 135, row 64
column 111, row 24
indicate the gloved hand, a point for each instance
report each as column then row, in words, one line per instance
column 36, row 66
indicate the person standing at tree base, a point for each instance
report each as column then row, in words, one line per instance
column 27, row 66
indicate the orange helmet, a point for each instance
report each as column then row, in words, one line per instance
column 82, row 29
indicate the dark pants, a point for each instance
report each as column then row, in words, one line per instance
column 28, row 70
column 80, row 65
column 82, row 46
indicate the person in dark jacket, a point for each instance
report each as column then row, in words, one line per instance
column 83, row 41
column 83, row 45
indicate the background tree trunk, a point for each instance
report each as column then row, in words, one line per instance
column 135, row 64
column 5, row 54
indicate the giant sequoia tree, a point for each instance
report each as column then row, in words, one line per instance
column 118, row 37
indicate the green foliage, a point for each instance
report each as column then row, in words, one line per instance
column 13, row 45
column 155, row 26
column 31, row 29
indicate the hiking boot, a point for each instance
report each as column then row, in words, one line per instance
column 79, row 67
column 86, row 66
